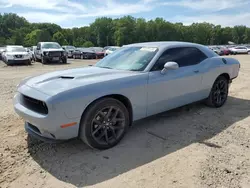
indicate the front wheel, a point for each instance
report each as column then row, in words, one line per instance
column 104, row 124
column 64, row 60
column 219, row 93
column 43, row 60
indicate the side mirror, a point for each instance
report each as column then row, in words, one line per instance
column 169, row 66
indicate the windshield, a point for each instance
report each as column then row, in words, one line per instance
column 51, row 45
column 97, row 49
column 113, row 49
column 129, row 58
column 16, row 49
column 85, row 50
column 70, row 47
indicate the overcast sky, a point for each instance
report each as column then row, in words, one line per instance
column 77, row 13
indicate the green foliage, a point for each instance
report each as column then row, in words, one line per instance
column 59, row 37
column 107, row 31
column 88, row 44
column 36, row 36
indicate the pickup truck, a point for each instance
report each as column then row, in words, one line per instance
column 47, row 52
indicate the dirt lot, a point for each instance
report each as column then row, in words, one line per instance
column 192, row 146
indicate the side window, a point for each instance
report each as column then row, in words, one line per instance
column 184, row 56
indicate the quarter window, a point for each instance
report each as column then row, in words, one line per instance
column 184, row 56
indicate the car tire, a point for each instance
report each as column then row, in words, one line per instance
column 38, row 60
column 29, row 62
column 74, row 57
column 104, row 124
column 43, row 61
column 64, row 60
column 219, row 92
column 81, row 56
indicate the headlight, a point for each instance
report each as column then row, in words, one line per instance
column 9, row 56
column 64, row 53
column 46, row 53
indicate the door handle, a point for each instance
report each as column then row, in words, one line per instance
column 196, row 71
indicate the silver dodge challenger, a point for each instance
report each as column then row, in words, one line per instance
column 99, row 103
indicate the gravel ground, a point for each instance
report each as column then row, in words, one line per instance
column 192, row 146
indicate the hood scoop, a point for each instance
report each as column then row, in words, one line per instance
column 66, row 77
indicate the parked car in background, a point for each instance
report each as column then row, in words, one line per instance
column 99, row 103
column 69, row 50
column 99, row 51
column 106, row 47
column 47, row 52
column 248, row 48
column 84, row 53
column 217, row 50
column 16, row 55
column 111, row 50
column 1, row 51
column 33, row 51
column 239, row 50
column 225, row 51
column 29, row 52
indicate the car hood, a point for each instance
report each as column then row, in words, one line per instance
column 60, row 81
column 16, row 53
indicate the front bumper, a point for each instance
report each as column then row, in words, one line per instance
column 31, row 130
column 54, row 59
column 47, row 126
column 17, row 61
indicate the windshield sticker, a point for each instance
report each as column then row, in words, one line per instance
column 148, row 49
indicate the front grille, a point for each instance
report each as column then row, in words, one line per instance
column 34, row 104
column 18, row 56
column 55, row 54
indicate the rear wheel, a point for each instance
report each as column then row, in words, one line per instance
column 104, row 124
column 219, row 92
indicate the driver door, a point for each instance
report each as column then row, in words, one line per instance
column 176, row 87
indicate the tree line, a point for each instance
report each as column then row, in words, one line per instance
column 16, row 30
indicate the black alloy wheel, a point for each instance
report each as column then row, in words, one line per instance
column 219, row 92
column 104, row 124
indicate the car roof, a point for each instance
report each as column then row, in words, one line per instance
column 10, row 46
column 48, row 42
column 163, row 44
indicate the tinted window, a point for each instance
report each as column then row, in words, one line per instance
column 240, row 48
column 184, row 56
